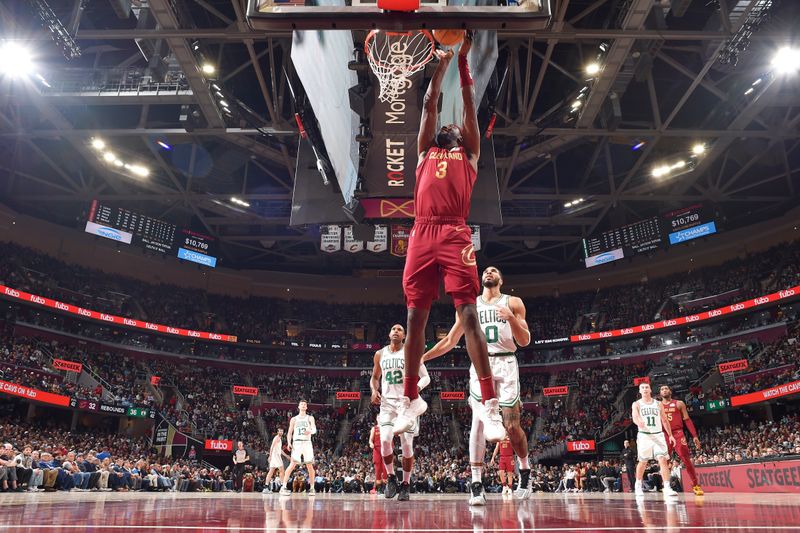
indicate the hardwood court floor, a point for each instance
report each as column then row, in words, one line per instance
column 207, row 512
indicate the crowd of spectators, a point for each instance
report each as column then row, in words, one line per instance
column 751, row 440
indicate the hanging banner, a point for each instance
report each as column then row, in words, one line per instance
column 348, row 395
column 330, row 238
column 242, row 390
column 556, row 391
column 350, row 244
column 476, row 236
column 69, row 366
column 379, row 244
column 732, row 366
column 400, row 236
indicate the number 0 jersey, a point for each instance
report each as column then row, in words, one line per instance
column 392, row 373
column 499, row 337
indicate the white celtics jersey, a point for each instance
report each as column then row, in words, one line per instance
column 651, row 414
column 302, row 429
column 499, row 337
column 392, row 373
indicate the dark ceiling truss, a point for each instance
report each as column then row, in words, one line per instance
column 545, row 156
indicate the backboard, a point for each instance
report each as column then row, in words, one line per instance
column 276, row 15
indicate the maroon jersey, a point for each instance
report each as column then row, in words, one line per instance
column 376, row 440
column 674, row 415
column 444, row 183
column 505, row 448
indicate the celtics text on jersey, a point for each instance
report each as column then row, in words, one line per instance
column 499, row 337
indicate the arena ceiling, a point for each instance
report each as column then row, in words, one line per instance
column 669, row 81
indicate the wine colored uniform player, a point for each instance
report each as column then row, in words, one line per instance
column 506, row 465
column 678, row 417
column 377, row 458
column 440, row 244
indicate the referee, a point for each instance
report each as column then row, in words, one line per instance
column 240, row 457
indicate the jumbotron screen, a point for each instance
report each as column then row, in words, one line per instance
column 129, row 227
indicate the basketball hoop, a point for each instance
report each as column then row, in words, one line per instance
column 395, row 56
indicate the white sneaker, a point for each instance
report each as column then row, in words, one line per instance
column 285, row 491
column 668, row 492
column 522, row 493
column 493, row 429
column 266, row 491
column 638, row 490
column 312, row 492
column 408, row 413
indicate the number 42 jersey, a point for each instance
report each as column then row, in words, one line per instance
column 392, row 373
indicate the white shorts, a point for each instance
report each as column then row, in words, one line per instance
column 276, row 461
column 651, row 446
column 302, row 452
column 387, row 415
column 505, row 371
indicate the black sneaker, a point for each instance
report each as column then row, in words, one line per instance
column 391, row 487
column 477, row 495
column 523, row 489
column 403, row 496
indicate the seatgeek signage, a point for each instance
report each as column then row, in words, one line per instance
column 689, row 319
column 113, row 319
column 766, row 477
column 695, row 232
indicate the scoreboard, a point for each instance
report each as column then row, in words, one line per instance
column 129, row 227
column 654, row 233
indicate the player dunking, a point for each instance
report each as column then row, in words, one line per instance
column 506, row 466
column 388, row 371
column 377, row 458
column 649, row 416
column 678, row 417
column 502, row 317
column 276, row 456
column 440, row 242
column 301, row 427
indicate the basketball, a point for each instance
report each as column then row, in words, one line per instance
column 448, row 37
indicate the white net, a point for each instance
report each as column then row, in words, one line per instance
column 395, row 56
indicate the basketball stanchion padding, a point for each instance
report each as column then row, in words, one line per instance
column 398, row 5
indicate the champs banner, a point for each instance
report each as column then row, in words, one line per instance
column 171, row 442
column 563, row 390
column 242, row 390
column 69, row 366
column 348, row 395
column 452, row 395
column 330, row 238
column 400, row 236
column 766, row 394
column 766, row 477
column 350, row 244
column 733, row 366
column 381, row 238
column 581, row 446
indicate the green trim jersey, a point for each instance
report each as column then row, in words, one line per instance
column 302, row 429
column 651, row 414
column 499, row 337
column 392, row 373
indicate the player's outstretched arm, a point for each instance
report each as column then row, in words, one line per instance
column 430, row 104
column 375, row 380
column 424, row 377
column 447, row 343
column 689, row 425
column 470, row 132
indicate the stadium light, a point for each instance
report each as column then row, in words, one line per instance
column 699, row 149
column 109, row 156
column 15, row 60
column 592, row 68
column 208, row 68
column 237, row 201
column 98, row 144
column 786, row 60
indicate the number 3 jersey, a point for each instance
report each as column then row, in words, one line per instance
column 444, row 183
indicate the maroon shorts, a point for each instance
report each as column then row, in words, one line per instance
column 507, row 464
column 436, row 251
column 681, row 446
